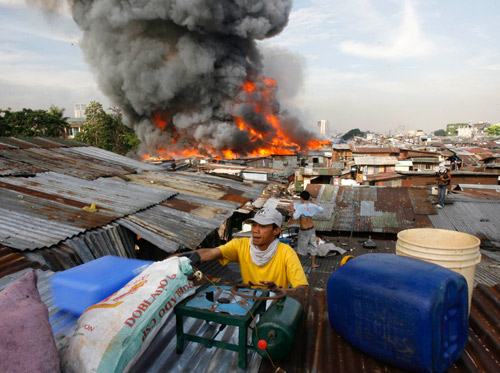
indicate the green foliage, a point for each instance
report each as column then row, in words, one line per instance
column 440, row 133
column 107, row 131
column 493, row 130
column 354, row 132
column 31, row 123
column 451, row 128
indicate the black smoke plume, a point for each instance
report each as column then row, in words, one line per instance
column 176, row 68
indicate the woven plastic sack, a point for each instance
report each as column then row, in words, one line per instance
column 111, row 335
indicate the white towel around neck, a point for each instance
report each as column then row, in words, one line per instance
column 260, row 257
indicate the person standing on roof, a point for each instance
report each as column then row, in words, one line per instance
column 306, row 241
column 444, row 181
column 263, row 258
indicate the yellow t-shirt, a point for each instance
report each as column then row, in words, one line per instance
column 283, row 269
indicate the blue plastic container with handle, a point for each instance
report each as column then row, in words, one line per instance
column 77, row 288
column 407, row 312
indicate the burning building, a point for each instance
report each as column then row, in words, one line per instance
column 188, row 74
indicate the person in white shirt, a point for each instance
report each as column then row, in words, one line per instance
column 304, row 211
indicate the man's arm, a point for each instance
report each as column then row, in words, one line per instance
column 207, row 255
column 296, row 213
column 320, row 209
column 201, row 255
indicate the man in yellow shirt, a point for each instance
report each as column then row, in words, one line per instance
column 263, row 258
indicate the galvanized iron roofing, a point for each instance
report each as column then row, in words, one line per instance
column 43, row 210
column 371, row 209
column 479, row 217
column 375, row 161
column 181, row 221
column 317, row 346
column 46, row 205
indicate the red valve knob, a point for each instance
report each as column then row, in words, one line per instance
column 262, row 344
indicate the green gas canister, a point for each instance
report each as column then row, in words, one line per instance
column 275, row 331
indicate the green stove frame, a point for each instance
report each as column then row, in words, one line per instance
column 199, row 306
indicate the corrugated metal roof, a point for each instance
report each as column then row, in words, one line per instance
column 83, row 162
column 424, row 160
column 12, row 262
column 320, row 171
column 384, row 176
column 45, row 206
column 371, row 209
column 201, row 185
column 35, row 142
column 111, row 239
column 44, row 210
column 479, row 217
column 181, row 221
column 375, row 161
column 104, row 155
column 375, row 150
column 317, row 346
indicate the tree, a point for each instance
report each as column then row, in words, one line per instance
column 440, row 133
column 31, row 123
column 354, row 132
column 107, row 131
column 493, row 130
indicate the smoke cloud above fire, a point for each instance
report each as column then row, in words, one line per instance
column 187, row 74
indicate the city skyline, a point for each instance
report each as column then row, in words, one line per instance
column 360, row 64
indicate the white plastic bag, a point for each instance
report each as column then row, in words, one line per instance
column 112, row 334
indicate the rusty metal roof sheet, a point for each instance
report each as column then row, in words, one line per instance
column 181, row 221
column 320, row 171
column 479, row 217
column 371, row 209
column 111, row 157
column 317, row 348
column 375, row 150
column 12, row 262
column 375, row 161
column 424, row 159
column 41, row 211
column 83, row 162
column 35, row 142
column 201, row 185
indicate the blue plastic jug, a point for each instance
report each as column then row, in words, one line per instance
column 404, row 311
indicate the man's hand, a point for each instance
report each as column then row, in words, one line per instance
column 193, row 256
column 268, row 283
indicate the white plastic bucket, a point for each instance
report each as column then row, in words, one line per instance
column 454, row 250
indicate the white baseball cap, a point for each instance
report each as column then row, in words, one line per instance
column 268, row 216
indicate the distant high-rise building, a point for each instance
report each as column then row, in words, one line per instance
column 323, row 126
column 80, row 110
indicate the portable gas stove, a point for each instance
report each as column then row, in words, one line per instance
column 218, row 304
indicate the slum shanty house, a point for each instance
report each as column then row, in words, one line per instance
column 320, row 175
column 341, row 153
column 373, row 165
column 367, row 151
column 318, row 158
column 244, row 172
column 428, row 178
column 169, row 209
column 421, row 160
column 284, row 162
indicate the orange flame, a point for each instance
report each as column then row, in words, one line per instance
column 265, row 141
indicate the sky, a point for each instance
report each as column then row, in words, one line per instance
column 379, row 65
